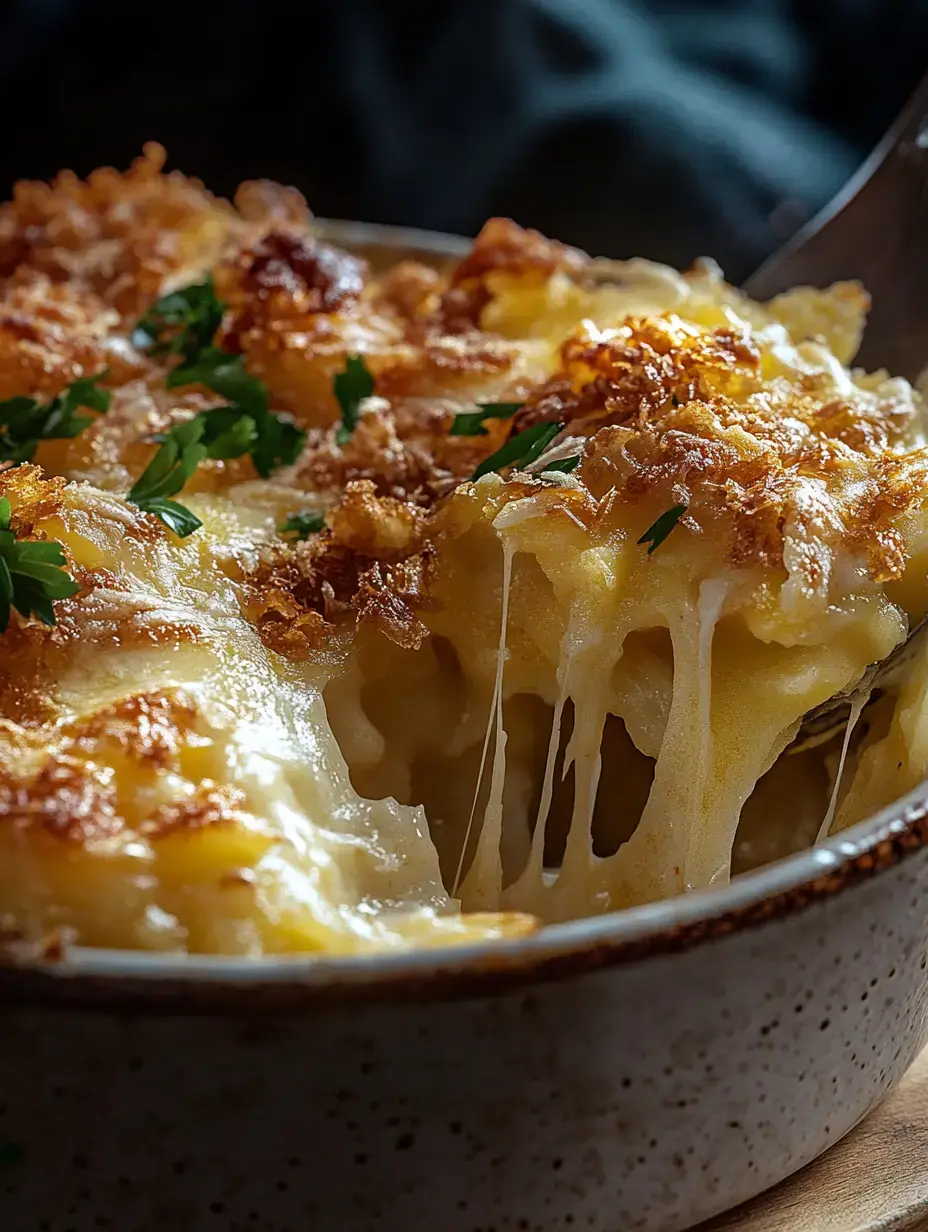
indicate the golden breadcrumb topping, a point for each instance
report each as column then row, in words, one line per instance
column 652, row 396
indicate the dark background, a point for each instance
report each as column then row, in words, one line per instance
column 667, row 128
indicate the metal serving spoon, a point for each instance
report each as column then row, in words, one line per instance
column 875, row 230
column 831, row 717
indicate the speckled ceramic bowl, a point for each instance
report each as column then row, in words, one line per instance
column 638, row 1071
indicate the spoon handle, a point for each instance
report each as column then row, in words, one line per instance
column 875, row 230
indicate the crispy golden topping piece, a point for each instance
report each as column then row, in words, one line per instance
column 502, row 248
column 120, row 235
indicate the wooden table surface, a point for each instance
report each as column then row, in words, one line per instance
column 874, row 1180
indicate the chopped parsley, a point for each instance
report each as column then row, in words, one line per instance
column 181, row 451
column 302, row 525
column 658, row 531
column 224, row 374
column 272, row 440
column 183, row 323
column 25, row 421
column 565, row 465
column 279, row 443
column 520, row 450
column 32, row 574
column 350, row 386
column 226, row 432
column 470, row 423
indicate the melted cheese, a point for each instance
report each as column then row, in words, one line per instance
column 465, row 708
column 735, row 704
column 302, row 863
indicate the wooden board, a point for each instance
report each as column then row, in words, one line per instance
column 874, row 1180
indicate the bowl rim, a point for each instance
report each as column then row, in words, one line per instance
column 121, row 979
column 557, row 951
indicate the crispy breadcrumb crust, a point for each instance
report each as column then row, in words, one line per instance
column 662, row 411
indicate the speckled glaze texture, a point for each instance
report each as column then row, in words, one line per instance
column 650, row 1094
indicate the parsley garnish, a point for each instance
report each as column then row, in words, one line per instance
column 349, row 387
column 658, row 531
column 565, row 465
column 302, row 525
column 224, row 374
column 520, row 450
column 226, row 432
column 279, row 443
column 32, row 574
column 271, row 440
column 24, row 421
column 470, row 423
column 182, row 323
column 181, row 452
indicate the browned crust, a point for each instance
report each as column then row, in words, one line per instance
column 502, row 247
column 653, row 364
column 68, row 800
column 117, row 234
column 403, row 449
column 679, row 413
column 51, row 334
column 371, row 560
column 273, row 205
column 280, row 285
column 33, row 497
column 212, row 804
column 71, row 798
column 660, row 404
column 304, row 270
column 148, row 727
column 389, row 596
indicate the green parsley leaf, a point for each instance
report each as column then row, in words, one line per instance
column 25, row 421
column 658, row 531
column 302, row 525
column 182, row 323
column 226, row 375
column 32, row 574
column 565, row 465
column 275, row 441
column 349, row 387
column 227, row 433
column 176, row 517
column 470, row 423
column 180, row 453
column 279, row 443
column 522, row 449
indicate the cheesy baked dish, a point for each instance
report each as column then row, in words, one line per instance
column 346, row 610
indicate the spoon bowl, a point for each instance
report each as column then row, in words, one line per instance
column 876, row 232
